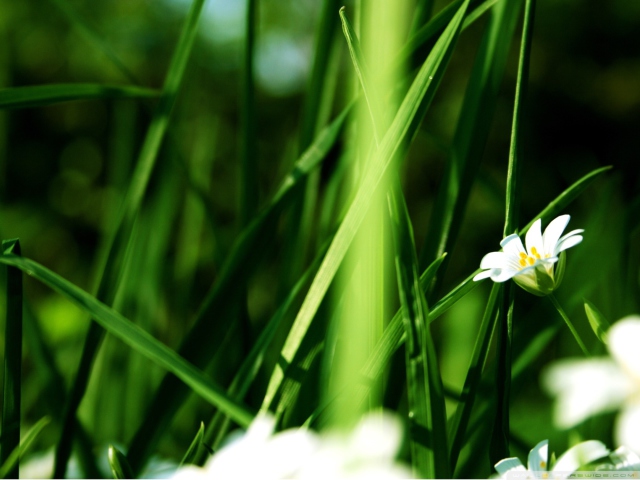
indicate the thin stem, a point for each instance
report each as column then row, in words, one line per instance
column 569, row 324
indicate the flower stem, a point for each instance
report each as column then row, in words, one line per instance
column 569, row 324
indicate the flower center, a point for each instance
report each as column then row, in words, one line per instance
column 526, row 260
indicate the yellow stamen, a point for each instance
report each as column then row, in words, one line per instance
column 523, row 255
column 523, row 262
column 535, row 253
column 531, row 260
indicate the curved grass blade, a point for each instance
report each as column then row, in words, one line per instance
column 14, row 457
column 41, row 95
column 427, row 415
column 12, row 386
column 205, row 337
column 135, row 337
column 401, row 130
column 118, row 462
column 119, row 242
column 597, row 320
column 197, row 443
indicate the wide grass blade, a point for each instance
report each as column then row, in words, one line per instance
column 41, row 95
column 135, row 337
column 401, row 130
column 11, row 463
column 118, row 462
column 120, row 240
column 206, row 336
column 599, row 324
column 12, row 386
column 427, row 415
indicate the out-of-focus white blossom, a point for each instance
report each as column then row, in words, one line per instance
column 368, row 452
column 538, row 462
column 534, row 268
column 586, row 387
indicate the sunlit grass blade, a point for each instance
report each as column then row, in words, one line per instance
column 82, row 25
column 427, row 415
column 40, row 95
column 118, row 462
column 118, row 243
column 135, row 337
column 197, row 443
column 12, row 386
column 460, row 420
column 471, row 133
column 402, row 129
column 597, row 320
column 205, row 337
column 11, row 463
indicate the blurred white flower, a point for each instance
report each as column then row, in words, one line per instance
column 368, row 452
column 586, row 387
column 538, row 462
column 533, row 268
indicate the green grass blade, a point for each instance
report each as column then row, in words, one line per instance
column 83, row 27
column 11, row 464
column 119, row 242
column 460, row 420
column 118, row 462
column 471, row 132
column 41, row 95
column 12, row 386
column 205, row 337
column 135, row 337
column 404, row 125
column 427, row 415
column 597, row 320
column 192, row 452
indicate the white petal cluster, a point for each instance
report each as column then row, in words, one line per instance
column 586, row 387
column 368, row 452
column 538, row 462
column 531, row 268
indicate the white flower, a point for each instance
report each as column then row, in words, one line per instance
column 587, row 387
column 367, row 452
column 538, row 462
column 533, row 268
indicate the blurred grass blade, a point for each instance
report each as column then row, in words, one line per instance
column 427, row 415
column 11, row 464
column 205, row 337
column 472, row 132
column 92, row 36
column 119, row 241
column 401, row 130
column 135, row 337
column 192, row 452
column 565, row 198
column 597, row 320
column 460, row 420
column 118, row 462
column 40, row 95
column 12, row 385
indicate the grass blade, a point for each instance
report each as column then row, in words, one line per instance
column 10, row 439
column 118, row 462
column 597, row 320
column 197, row 443
column 11, row 463
column 427, row 415
column 135, row 337
column 42, row 95
column 404, row 125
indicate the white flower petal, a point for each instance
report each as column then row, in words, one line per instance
column 503, row 275
column 567, row 243
column 508, row 465
column 377, row 437
column 628, row 427
column 579, row 455
column 486, row 274
column 494, row 260
column 553, row 232
column 512, row 245
column 625, row 460
column 534, row 238
column 585, row 388
column 624, row 338
column 539, row 458
column 571, row 234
